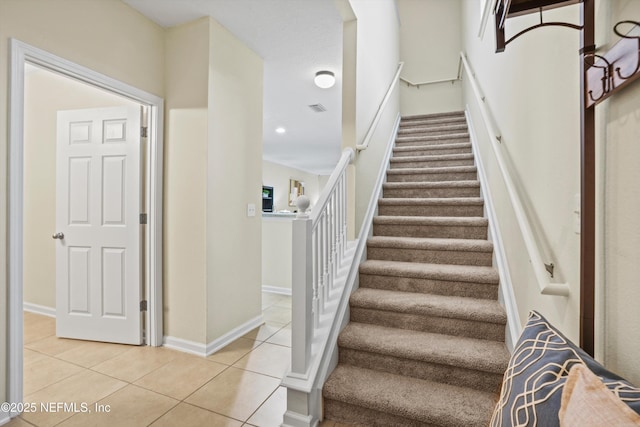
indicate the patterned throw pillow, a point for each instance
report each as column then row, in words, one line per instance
column 538, row 369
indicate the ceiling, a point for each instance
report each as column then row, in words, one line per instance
column 295, row 38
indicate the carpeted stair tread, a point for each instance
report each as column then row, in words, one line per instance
column 445, row 272
column 431, row 158
column 431, row 201
column 468, row 245
column 429, row 129
column 469, row 353
column 443, row 170
column 424, row 150
column 435, row 139
column 447, row 114
column 430, row 221
column 473, row 309
column 431, row 189
column 423, row 402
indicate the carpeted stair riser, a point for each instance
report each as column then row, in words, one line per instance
column 431, row 150
column 420, row 322
column 435, row 254
column 429, row 207
column 402, row 401
column 457, row 173
column 427, row 140
column 420, row 121
column 431, row 189
column 450, row 115
column 432, row 129
column 475, row 228
column 438, row 161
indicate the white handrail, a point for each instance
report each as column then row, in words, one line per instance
column 431, row 82
column 381, row 108
column 546, row 286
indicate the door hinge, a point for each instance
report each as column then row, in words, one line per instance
column 143, row 218
column 143, row 305
column 143, row 131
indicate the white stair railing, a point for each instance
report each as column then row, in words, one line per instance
column 319, row 249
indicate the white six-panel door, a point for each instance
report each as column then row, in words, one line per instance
column 98, row 269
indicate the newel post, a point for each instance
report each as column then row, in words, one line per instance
column 302, row 289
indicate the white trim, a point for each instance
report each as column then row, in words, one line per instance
column 487, row 10
column 203, row 350
column 20, row 54
column 507, row 297
column 276, row 290
column 39, row 309
column 294, row 419
column 4, row 418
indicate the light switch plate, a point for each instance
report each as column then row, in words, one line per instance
column 251, row 209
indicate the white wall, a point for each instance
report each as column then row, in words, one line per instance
column 532, row 89
column 277, row 235
column 278, row 176
column 122, row 44
column 430, row 44
column 619, row 151
column 377, row 61
column 47, row 93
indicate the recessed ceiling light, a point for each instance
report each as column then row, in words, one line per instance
column 324, row 79
column 280, row 130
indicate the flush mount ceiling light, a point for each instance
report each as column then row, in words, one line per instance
column 281, row 130
column 324, row 79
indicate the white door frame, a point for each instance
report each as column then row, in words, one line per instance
column 21, row 53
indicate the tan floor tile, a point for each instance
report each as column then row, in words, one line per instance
column 53, row 345
column 268, row 359
column 284, row 302
column 185, row 415
column 234, row 351
column 87, row 387
column 263, row 332
column 18, row 422
column 37, row 328
column 136, row 362
column 271, row 411
column 130, row 406
column 30, row 356
column 181, row 376
column 272, row 299
column 235, row 393
column 46, row 371
column 91, row 353
column 282, row 337
column 277, row 314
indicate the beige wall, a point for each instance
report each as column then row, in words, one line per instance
column 620, row 234
column 277, row 234
column 278, row 176
column 377, row 61
column 430, row 42
column 234, row 179
column 540, row 137
column 185, row 204
column 532, row 89
column 45, row 94
column 133, row 54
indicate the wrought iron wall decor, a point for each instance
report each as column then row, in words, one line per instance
column 615, row 69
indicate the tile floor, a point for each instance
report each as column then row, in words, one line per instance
column 141, row 386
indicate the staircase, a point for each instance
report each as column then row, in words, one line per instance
column 425, row 342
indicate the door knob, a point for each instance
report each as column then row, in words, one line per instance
column 58, row 236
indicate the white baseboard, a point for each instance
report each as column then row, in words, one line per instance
column 507, row 297
column 276, row 290
column 203, row 350
column 4, row 418
column 39, row 309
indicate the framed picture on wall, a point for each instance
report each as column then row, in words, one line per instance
column 296, row 188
